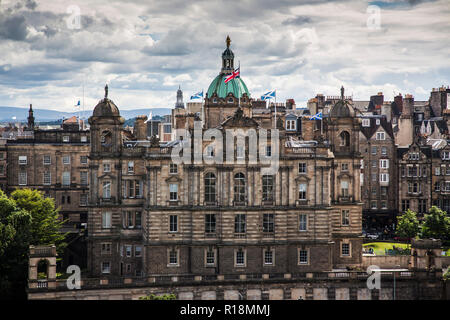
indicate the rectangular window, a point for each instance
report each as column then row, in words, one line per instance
column 47, row 178
column 106, row 189
column 374, row 150
column 267, row 187
column 373, row 205
column 302, row 167
column 128, row 249
column 383, row 191
column 210, row 223
column 84, row 178
column 374, row 163
column 66, row 159
column 291, row 125
column 240, row 258
column 344, row 166
column 383, row 205
column 210, row 257
column 130, row 166
column 83, row 139
column 22, row 178
column 268, row 257
column 173, row 257
column 303, row 256
column 384, row 151
column 83, row 159
column 65, row 138
column 345, row 217
column 106, row 220
column 384, row 163
column 366, row 122
column 83, row 200
column 239, row 223
column 345, row 249
column 106, row 248
column 268, row 151
column 344, row 188
column 405, row 205
column 303, row 222
column 138, row 219
column 22, row 160
column 47, row 160
column 2, row 169
column 106, row 167
column 384, row 177
column 437, row 171
column 106, row 267
column 446, row 155
column 268, row 223
column 173, row 189
column 138, row 251
column 173, row 223
column 66, row 178
column 173, row 168
column 381, row 136
column 422, row 205
column 240, row 152
column 302, row 191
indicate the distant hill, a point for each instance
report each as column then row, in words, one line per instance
column 21, row 114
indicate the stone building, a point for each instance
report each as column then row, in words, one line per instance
column 152, row 215
column 379, row 172
column 55, row 162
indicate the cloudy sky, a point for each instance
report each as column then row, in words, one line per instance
column 144, row 49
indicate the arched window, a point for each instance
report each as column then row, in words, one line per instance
column 345, row 139
column 210, row 187
column 239, row 187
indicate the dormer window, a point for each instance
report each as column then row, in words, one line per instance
column 291, row 125
column 215, row 100
column 366, row 122
column 230, row 100
column 446, row 155
column 381, row 136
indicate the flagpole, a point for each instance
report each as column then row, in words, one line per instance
column 203, row 111
column 275, row 126
column 239, row 85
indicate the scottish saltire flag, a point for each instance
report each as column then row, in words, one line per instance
column 268, row 95
column 198, row 95
column 78, row 104
column 317, row 116
column 236, row 74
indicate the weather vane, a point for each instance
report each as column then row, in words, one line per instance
column 228, row 41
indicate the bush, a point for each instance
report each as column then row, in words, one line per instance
column 162, row 297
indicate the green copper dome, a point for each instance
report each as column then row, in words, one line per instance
column 235, row 86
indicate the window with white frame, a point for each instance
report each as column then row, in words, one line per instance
column 268, row 151
column 302, row 167
column 106, row 189
column 268, row 187
column 132, row 219
column 47, row 178
column 210, row 223
column 210, row 151
column 128, row 250
column 66, row 159
column 239, row 258
column 106, row 167
column 106, row 267
column 22, row 178
column 173, row 190
column 83, row 139
column 303, row 256
column 381, row 136
column 210, row 257
column 366, row 122
column 47, row 160
column 374, row 150
column 384, row 163
column 83, row 199
column 291, row 125
column 302, row 191
column 268, row 257
column 137, row 251
column 446, row 155
column 268, row 223
column 173, row 256
column 106, row 220
column 240, row 152
column 383, row 204
column 66, row 178
column 344, row 166
column 345, row 249
column 173, row 223
column 303, row 222
column 384, row 151
column 384, row 177
column 344, row 188
column 437, row 171
column 173, row 168
column 373, row 205
column 65, row 138
column 22, row 160
column 83, row 159
column 84, row 178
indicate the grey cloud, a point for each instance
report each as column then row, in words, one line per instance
column 13, row 27
column 298, row 20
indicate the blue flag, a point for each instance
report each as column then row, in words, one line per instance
column 268, row 95
column 317, row 116
column 198, row 95
column 78, row 104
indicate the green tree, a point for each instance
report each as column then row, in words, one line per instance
column 26, row 218
column 436, row 224
column 408, row 225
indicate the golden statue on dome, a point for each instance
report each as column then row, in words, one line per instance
column 228, row 41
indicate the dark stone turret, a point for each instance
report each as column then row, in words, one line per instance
column 30, row 118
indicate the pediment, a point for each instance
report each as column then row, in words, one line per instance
column 240, row 120
column 174, row 179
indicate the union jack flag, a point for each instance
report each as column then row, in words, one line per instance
column 235, row 74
